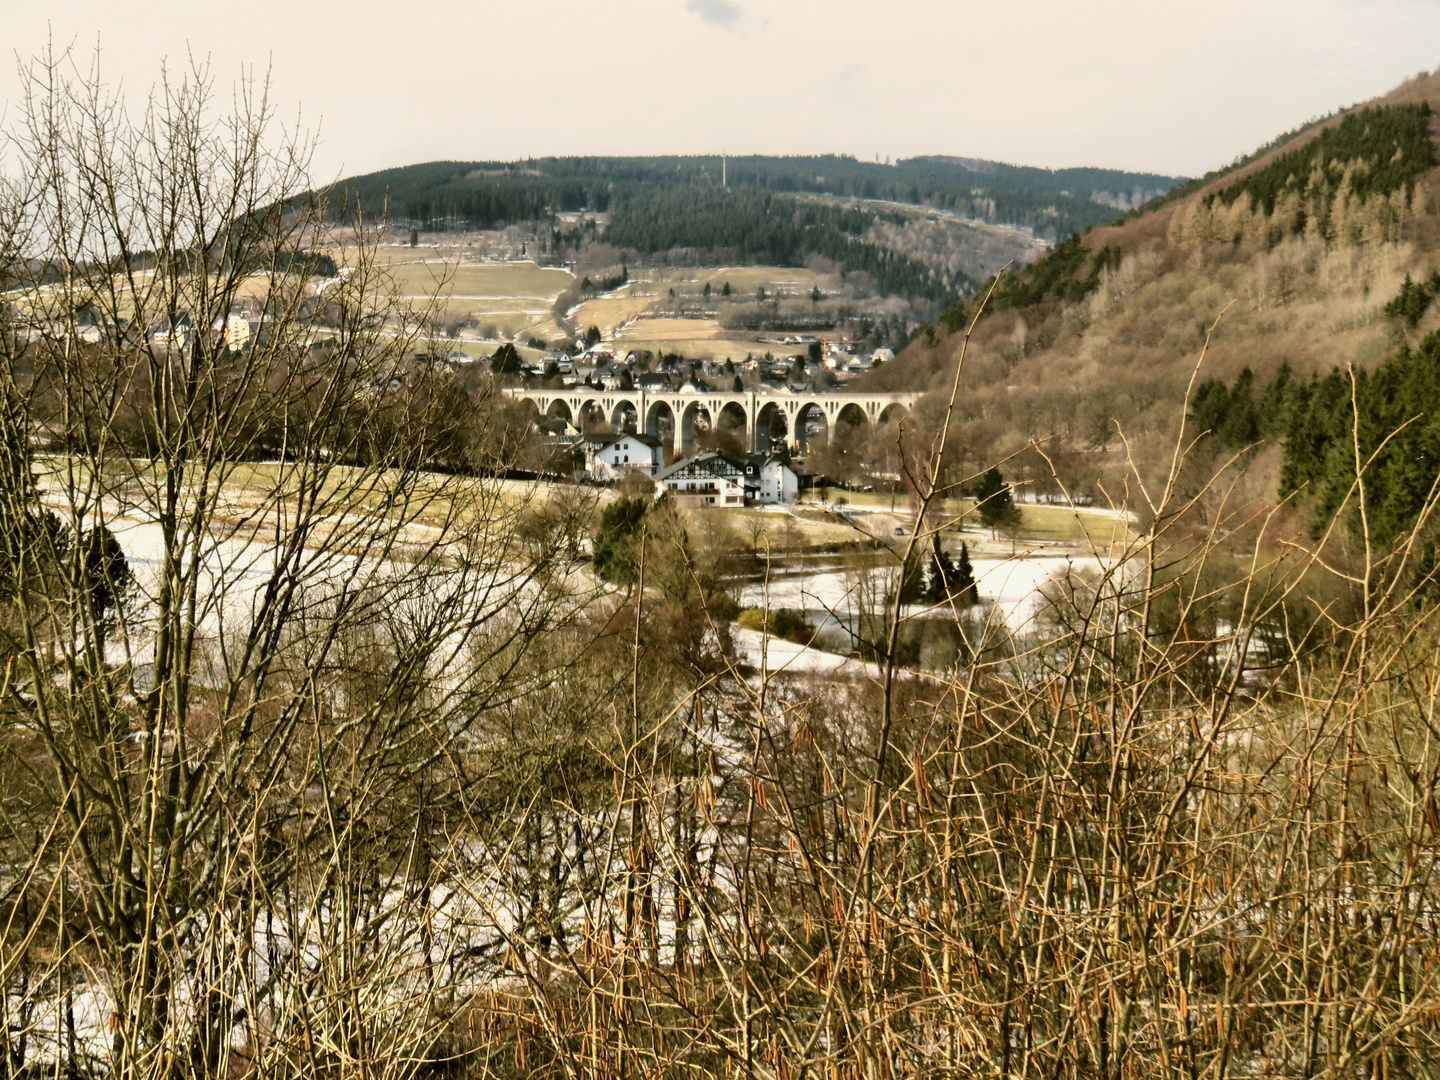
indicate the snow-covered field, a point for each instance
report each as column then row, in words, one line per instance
column 1012, row 584
column 773, row 655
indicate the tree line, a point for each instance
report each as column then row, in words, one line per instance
column 760, row 226
column 1053, row 202
column 1376, row 151
column 1388, row 417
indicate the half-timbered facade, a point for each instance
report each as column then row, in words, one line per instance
column 709, row 479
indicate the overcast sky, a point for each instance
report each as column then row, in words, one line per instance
column 1170, row 86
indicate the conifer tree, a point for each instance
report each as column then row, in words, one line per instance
column 947, row 580
column 506, row 360
column 964, row 590
column 994, row 502
column 616, row 542
column 912, row 581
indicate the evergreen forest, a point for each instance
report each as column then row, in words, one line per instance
column 776, row 210
column 1389, row 417
column 1052, row 202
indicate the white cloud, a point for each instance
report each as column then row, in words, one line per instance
column 716, row 12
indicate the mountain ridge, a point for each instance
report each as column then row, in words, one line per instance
column 1292, row 256
column 427, row 193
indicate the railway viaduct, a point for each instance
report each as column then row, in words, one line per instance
column 753, row 415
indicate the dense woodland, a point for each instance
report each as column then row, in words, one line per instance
column 1389, row 415
column 1374, row 153
column 757, row 226
column 1370, row 157
column 771, row 210
column 1315, row 254
column 1053, row 202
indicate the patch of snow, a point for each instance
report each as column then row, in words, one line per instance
column 773, row 655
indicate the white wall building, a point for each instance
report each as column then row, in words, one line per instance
column 610, row 457
column 716, row 479
column 776, row 480
column 708, row 479
column 235, row 329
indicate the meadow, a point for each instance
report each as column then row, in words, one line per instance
column 700, row 338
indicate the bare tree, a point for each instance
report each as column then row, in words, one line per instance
column 244, row 619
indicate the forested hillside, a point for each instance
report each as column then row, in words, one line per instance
column 1052, row 202
column 860, row 216
column 1313, row 258
column 758, row 226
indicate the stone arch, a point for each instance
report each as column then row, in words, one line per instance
column 848, row 428
column 625, row 416
column 660, row 421
column 732, row 420
column 591, row 415
column 559, row 410
column 893, row 411
column 852, row 415
column 771, row 427
column 688, row 419
column 810, row 412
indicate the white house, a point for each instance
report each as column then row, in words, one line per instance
column 652, row 380
column 707, row 479
column 609, row 457
column 776, row 480
column 715, row 479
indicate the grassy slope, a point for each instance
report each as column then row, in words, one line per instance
column 1127, row 351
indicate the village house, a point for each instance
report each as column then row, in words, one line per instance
column 611, row 456
column 611, row 377
column 715, row 479
column 777, row 481
column 652, row 380
column 707, row 479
